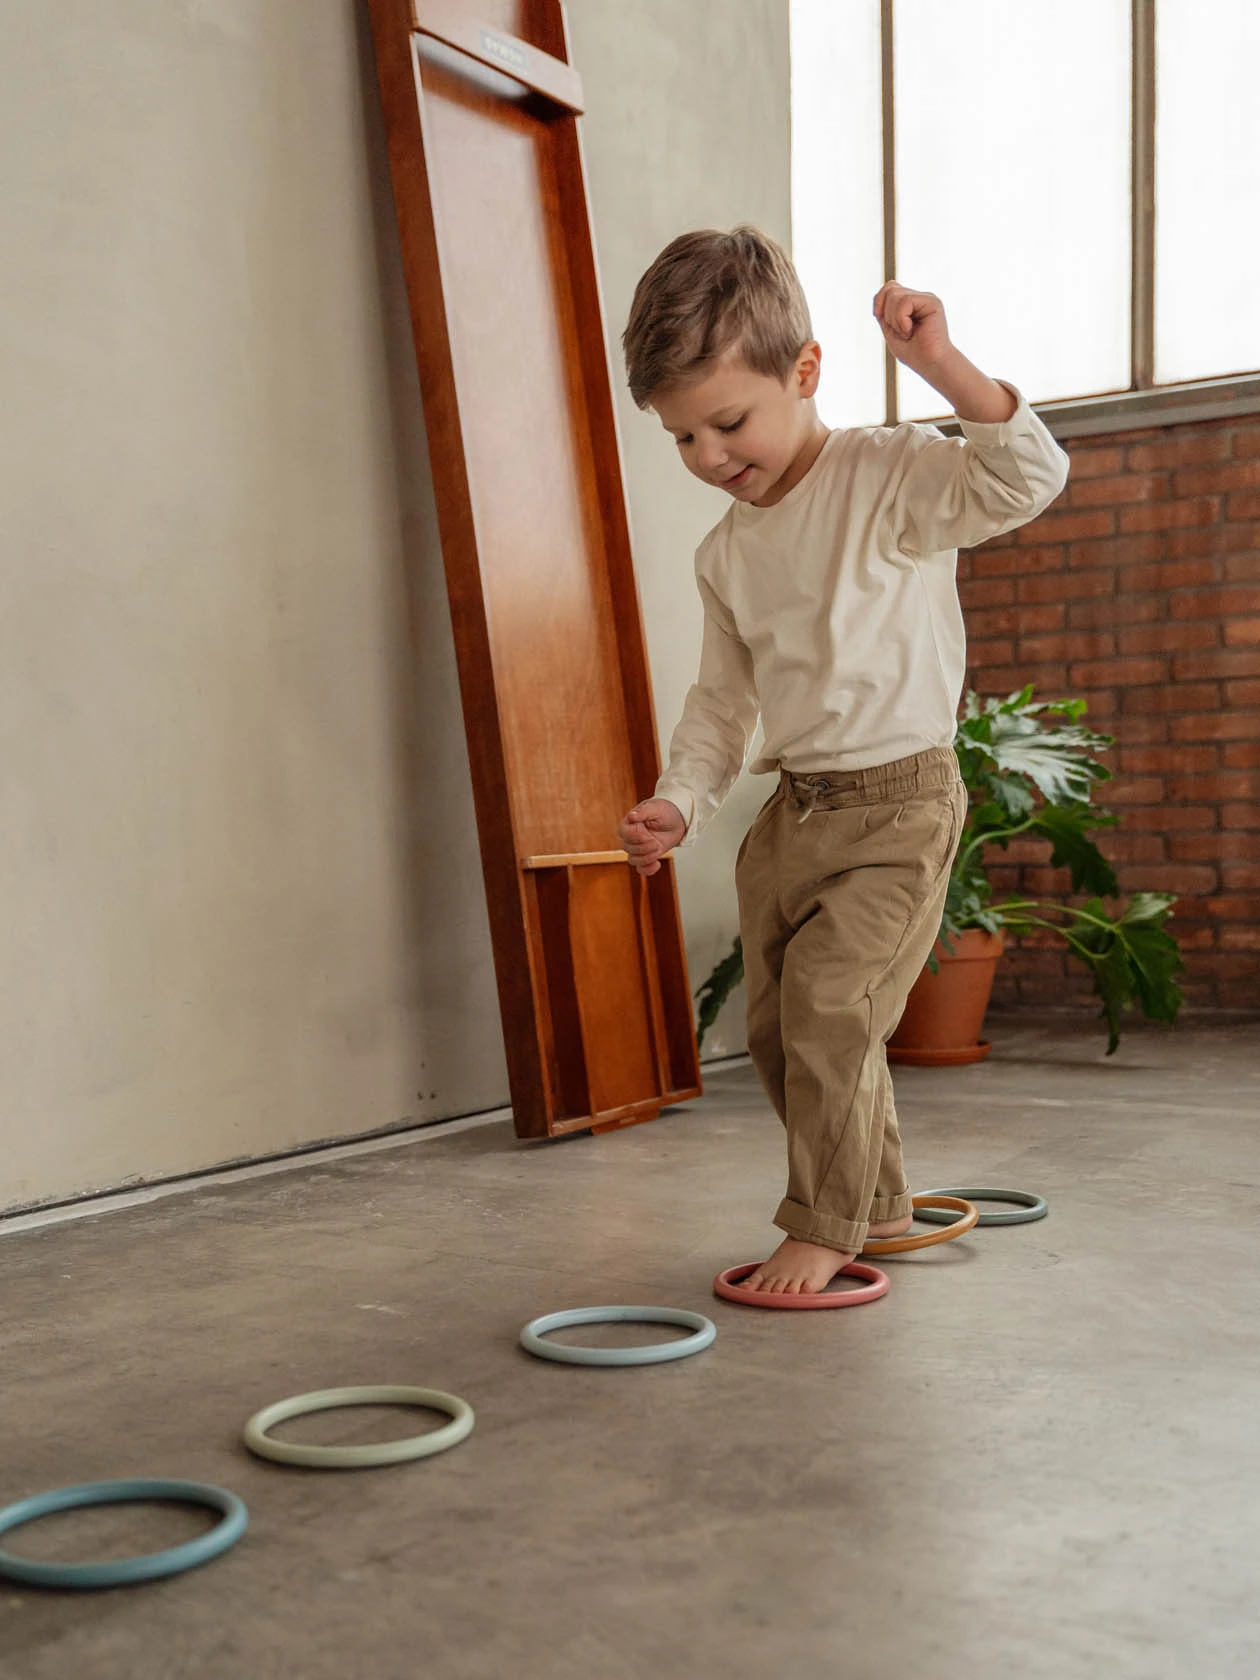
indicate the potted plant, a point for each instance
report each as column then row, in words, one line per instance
column 1030, row 768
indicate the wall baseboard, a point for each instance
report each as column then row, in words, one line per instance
column 113, row 1201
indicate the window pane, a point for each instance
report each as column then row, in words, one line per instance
column 1013, row 187
column 1207, row 189
column 837, row 198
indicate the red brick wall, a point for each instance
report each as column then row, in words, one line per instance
column 1139, row 591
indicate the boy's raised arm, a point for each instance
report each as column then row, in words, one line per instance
column 915, row 330
column 948, row 493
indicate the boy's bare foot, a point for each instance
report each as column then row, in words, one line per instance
column 798, row 1268
column 805, row 1268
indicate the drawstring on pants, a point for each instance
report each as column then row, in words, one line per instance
column 813, row 791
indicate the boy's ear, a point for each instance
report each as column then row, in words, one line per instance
column 809, row 368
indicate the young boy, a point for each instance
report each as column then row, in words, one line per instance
column 831, row 610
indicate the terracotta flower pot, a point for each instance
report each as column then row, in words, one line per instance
column 945, row 1011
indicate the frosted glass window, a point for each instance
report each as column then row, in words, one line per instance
column 1013, row 191
column 1207, row 189
column 837, row 198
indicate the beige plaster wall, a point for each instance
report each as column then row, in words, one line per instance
column 243, row 904
column 242, row 898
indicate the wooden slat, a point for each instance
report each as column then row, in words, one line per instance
column 558, row 1016
column 630, row 646
column 612, row 1119
column 672, row 984
column 651, row 972
column 563, row 860
column 613, row 993
column 535, row 70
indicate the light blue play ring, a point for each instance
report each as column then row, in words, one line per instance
column 1028, row 1207
column 654, row 1353
column 149, row 1566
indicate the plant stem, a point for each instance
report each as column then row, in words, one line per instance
column 994, row 837
column 1082, row 951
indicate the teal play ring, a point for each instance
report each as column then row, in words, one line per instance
column 372, row 1453
column 117, row 1572
column 1027, row 1207
column 533, row 1336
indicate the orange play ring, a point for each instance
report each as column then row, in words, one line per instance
column 925, row 1239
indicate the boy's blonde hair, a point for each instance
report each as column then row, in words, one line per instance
column 709, row 292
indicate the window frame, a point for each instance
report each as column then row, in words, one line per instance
column 1145, row 402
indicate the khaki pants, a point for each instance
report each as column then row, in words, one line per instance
column 841, row 882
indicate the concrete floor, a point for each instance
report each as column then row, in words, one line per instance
column 1039, row 1455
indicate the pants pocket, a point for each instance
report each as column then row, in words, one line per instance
column 954, row 826
column 947, row 811
column 758, row 822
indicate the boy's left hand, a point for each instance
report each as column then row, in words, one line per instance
column 914, row 327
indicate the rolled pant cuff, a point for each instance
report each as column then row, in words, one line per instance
column 891, row 1207
column 806, row 1225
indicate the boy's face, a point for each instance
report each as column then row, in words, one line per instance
column 739, row 430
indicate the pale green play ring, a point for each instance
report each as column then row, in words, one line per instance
column 359, row 1457
column 1027, row 1206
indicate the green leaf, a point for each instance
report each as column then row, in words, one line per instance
column 717, row 988
column 1057, row 761
column 1113, row 981
column 1132, row 958
column 1064, row 826
column 1154, row 954
column 1009, row 795
column 1023, row 746
column 1149, row 907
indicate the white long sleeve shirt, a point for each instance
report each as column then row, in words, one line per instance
column 834, row 614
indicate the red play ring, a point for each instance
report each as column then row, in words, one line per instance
column 726, row 1284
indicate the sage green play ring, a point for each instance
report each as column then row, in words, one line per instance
column 118, row 1572
column 652, row 1353
column 376, row 1452
column 1027, row 1207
